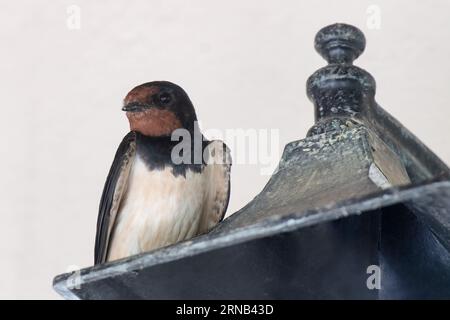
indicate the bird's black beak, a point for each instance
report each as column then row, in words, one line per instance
column 135, row 107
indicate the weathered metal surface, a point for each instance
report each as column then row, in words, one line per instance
column 359, row 190
column 320, row 171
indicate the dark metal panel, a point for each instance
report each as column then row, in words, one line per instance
column 414, row 264
column 325, row 261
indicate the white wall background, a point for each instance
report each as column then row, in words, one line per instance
column 244, row 65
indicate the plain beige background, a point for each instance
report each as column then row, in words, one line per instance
column 244, row 65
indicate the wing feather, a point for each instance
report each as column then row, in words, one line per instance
column 218, row 170
column 113, row 191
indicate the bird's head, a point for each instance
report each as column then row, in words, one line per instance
column 158, row 108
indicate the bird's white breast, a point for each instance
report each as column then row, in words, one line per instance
column 157, row 209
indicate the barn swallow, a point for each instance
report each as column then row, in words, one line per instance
column 148, row 200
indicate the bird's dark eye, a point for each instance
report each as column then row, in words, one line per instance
column 165, row 98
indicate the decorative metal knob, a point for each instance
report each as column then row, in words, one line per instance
column 340, row 43
column 340, row 90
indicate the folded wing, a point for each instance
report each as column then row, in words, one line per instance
column 113, row 191
column 217, row 173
